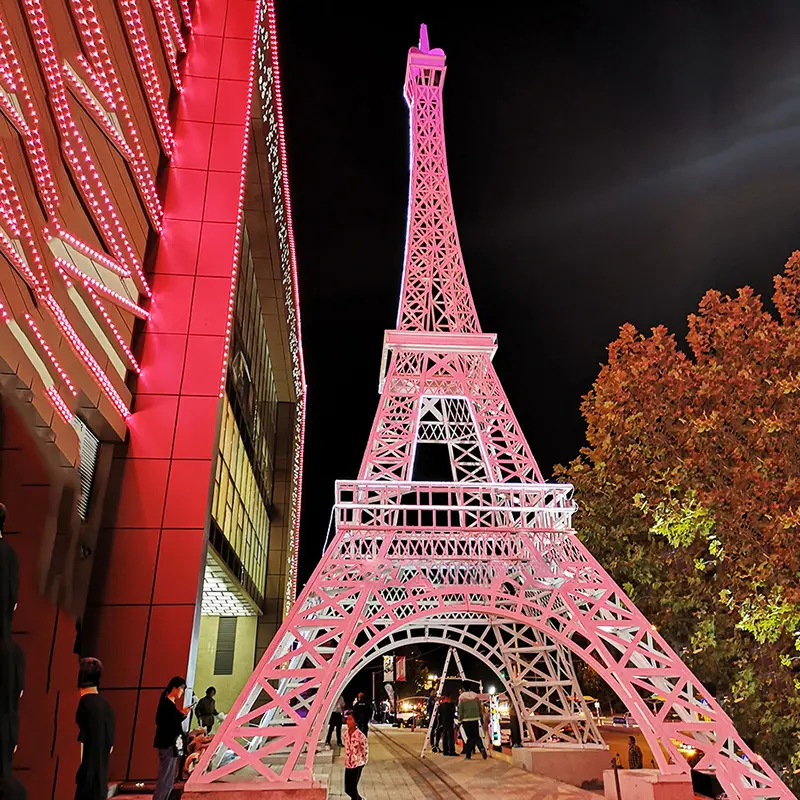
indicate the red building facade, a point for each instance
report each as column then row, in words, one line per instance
column 148, row 290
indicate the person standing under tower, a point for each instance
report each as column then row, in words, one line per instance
column 634, row 754
column 206, row 709
column 362, row 713
column 469, row 715
column 335, row 722
column 446, row 717
column 356, row 755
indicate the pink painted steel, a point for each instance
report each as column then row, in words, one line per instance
column 488, row 561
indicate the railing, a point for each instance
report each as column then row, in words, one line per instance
column 453, row 507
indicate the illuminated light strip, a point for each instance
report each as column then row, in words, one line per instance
column 168, row 33
column 240, row 207
column 97, row 111
column 69, row 131
column 172, row 23
column 21, row 264
column 149, row 75
column 83, row 352
column 58, row 403
column 300, row 387
column 102, row 336
column 186, row 13
column 46, row 347
column 55, row 309
column 13, row 113
column 101, row 289
column 39, row 164
column 96, row 45
column 86, row 250
column 6, row 209
column 143, row 178
column 39, row 365
column 94, row 75
column 129, row 357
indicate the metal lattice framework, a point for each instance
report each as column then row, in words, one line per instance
column 487, row 562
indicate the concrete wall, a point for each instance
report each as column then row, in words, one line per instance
column 228, row 686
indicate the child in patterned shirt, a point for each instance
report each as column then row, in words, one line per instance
column 356, row 755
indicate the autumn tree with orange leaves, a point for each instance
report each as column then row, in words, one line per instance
column 689, row 493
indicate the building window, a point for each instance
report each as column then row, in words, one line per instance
column 87, row 464
column 226, row 645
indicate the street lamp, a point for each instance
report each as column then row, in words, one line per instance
column 491, row 690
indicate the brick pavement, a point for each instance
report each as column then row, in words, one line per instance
column 395, row 772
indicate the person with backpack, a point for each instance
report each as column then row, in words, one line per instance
column 469, row 715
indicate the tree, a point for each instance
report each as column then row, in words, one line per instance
column 689, row 493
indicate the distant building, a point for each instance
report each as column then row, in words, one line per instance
column 151, row 372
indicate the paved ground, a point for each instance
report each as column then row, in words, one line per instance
column 395, row 772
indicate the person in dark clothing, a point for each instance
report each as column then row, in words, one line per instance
column 95, row 720
column 335, row 722
column 12, row 671
column 514, row 729
column 9, row 578
column 12, row 789
column 362, row 713
column 446, row 718
column 435, row 730
column 206, row 709
column 634, row 754
column 430, row 702
column 170, row 715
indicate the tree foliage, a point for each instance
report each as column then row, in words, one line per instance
column 689, row 493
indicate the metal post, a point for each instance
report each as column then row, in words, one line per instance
column 615, row 766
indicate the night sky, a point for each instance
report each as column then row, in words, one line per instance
column 609, row 161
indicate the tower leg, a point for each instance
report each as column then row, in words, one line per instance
column 548, row 695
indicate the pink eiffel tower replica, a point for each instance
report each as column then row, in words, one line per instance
column 487, row 562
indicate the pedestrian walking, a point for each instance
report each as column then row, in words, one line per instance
column 335, row 722
column 430, row 702
column 356, row 755
column 95, row 720
column 170, row 715
column 206, row 709
column 634, row 754
column 446, row 718
column 469, row 715
column 362, row 713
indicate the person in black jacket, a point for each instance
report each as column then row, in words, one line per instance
column 206, row 709
column 446, row 715
column 362, row 713
column 95, row 720
column 169, row 735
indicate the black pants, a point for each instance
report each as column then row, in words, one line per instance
column 335, row 723
column 351, row 778
column 473, row 737
column 516, row 737
column 363, row 725
column 448, row 739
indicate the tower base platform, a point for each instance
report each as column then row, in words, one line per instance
column 257, row 790
column 648, row 784
column 573, row 765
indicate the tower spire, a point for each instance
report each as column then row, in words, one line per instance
column 435, row 294
column 424, row 45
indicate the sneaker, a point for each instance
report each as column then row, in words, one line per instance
column 467, row 758
column 484, row 754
